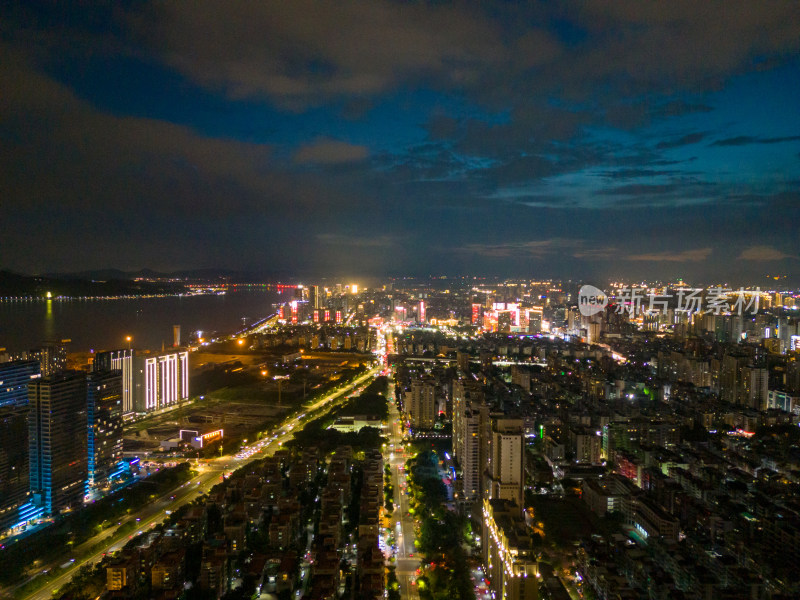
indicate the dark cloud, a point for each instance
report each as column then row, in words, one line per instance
column 637, row 40
column 443, row 127
column 356, row 108
column 639, row 189
column 746, row 140
column 355, row 239
column 504, row 130
column 696, row 255
column 691, row 138
column 538, row 249
column 122, row 189
column 677, row 108
column 305, row 52
column 638, row 173
column 330, row 152
column 764, row 253
column 507, row 57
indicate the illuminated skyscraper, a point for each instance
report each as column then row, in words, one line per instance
column 14, row 483
column 422, row 408
column 14, row 379
column 316, row 299
column 506, row 467
column 53, row 357
column 104, row 412
column 160, row 380
column 470, row 437
column 57, row 438
column 535, row 316
column 14, row 468
column 755, row 384
column 508, row 555
column 477, row 313
column 119, row 360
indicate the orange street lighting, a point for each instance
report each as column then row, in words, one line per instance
column 241, row 341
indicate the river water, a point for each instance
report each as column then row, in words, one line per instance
column 104, row 324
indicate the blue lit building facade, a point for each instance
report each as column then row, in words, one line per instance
column 15, row 507
column 104, row 399
column 14, row 379
column 58, row 439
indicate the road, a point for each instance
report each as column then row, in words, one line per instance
column 407, row 561
column 210, row 474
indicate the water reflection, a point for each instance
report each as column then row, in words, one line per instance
column 49, row 321
column 104, row 324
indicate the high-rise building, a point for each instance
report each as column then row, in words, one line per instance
column 469, row 453
column 14, row 484
column 160, row 380
column 119, row 360
column 104, row 416
column 462, row 360
column 755, row 383
column 422, row 407
column 535, row 317
column 53, row 357
column 316, row 299
column 471, row 443
column 14, row 379
column 465, row 390
column 730, row 379
column 14, row 468
column 57, row 438
column 586, row 445
column 506, row 468
column 422, row 316
column 508, row 555
column 793, row 375
column 477, row 313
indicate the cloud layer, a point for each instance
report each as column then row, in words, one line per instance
column 568, row 138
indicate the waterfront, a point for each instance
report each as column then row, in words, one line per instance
column 101, row 324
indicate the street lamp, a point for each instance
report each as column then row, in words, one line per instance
column 128, row 339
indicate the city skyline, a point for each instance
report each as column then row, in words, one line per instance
column 572, row 140
column 410, row 441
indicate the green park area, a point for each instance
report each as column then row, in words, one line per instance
column 372, row 401
column 443, row 534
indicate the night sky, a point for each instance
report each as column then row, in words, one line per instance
column 587, row 139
